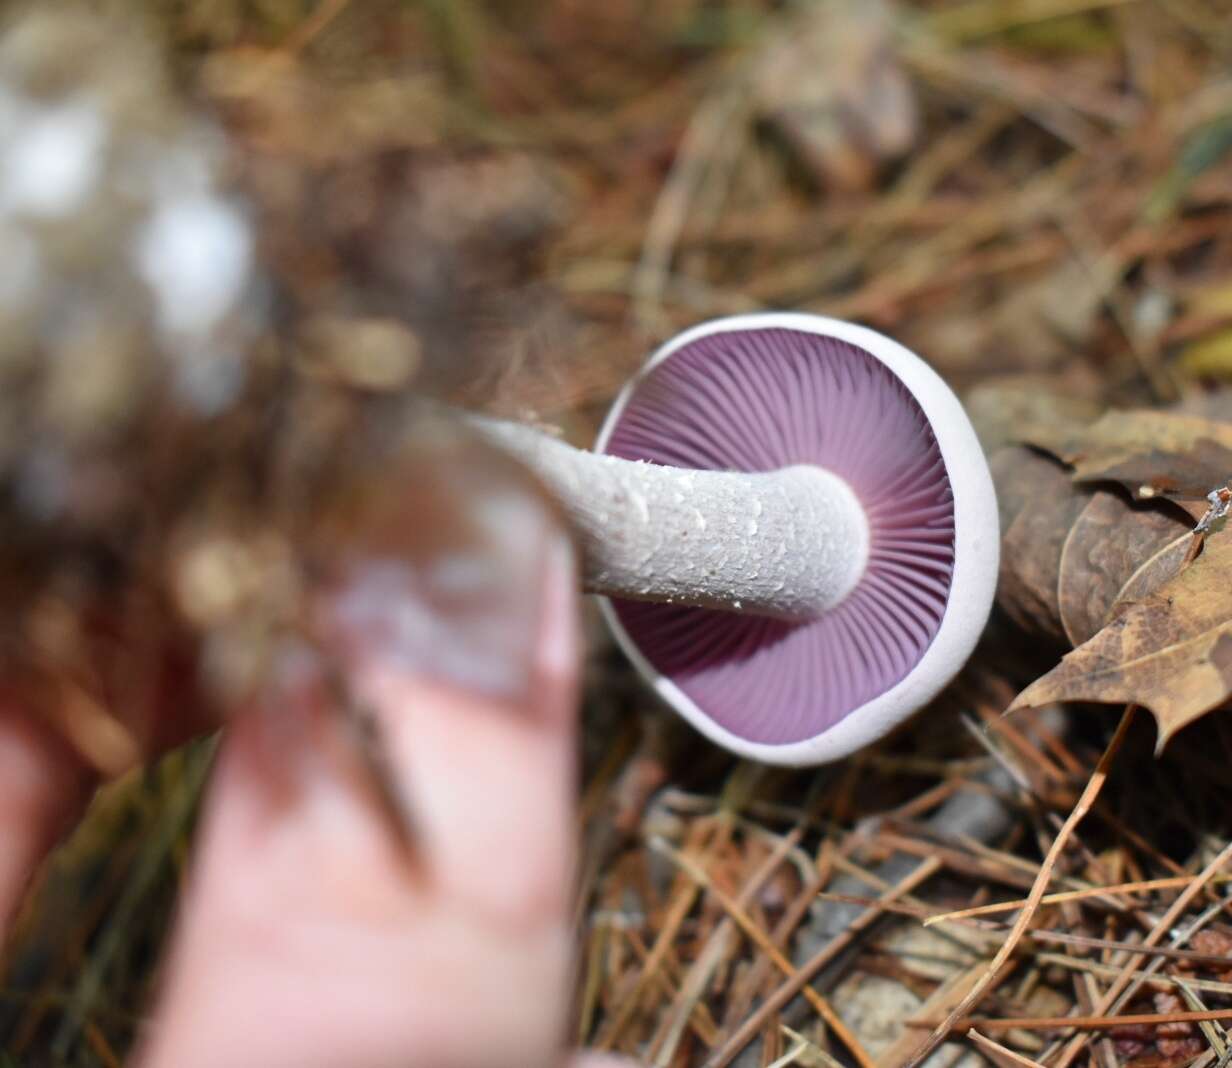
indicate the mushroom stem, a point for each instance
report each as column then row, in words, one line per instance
column 790, row 543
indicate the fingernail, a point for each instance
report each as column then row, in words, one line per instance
column 474, row 591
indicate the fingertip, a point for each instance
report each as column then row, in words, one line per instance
column 458, row 635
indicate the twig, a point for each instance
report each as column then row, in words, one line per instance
column 1098, row 777
column 998, row 1054
column 1098, row 1022
column 683, row 903
column 1124, row 986
column 755, row 933
column 788, row 990
column 1139, row 887
column 663, row 1047
column 1111, row 971
column 1133, row 947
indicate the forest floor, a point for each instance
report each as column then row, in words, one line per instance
column 1034, row 191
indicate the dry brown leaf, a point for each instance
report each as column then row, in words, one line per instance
column 1151, row 453
column 1170, row 650
column 1085, row 562
column 833, row 87
column 1107, row 548
column 1038, row 505
column 1070, row 552
column 1026, row 410
column 1155, row 569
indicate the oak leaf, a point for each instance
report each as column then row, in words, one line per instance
column 1169, row 650
column 1096, row 519
column 1115, row 549
column 1150, row 453
column 1070, row 552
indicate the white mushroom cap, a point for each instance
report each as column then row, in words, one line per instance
column 963, row 610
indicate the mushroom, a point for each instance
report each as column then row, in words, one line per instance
column 793, row 528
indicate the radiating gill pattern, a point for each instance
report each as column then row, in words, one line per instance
column 757, row 400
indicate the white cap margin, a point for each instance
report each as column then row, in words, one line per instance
column 977, row 544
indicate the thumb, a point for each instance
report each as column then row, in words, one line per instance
column 305, row 938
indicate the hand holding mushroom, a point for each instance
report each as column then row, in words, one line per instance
column 794, row 528
column 306, row 936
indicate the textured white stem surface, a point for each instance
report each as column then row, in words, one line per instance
column 790, row 543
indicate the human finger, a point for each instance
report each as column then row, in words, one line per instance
column 306, row 938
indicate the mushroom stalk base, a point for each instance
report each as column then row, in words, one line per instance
column 790, row 543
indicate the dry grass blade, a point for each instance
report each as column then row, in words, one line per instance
column 1096, row 783
column 785, row 992
column 1065, row 938
column 692, row 988
column 1109, row 971
column 1125, row 984
column 1214, row 1033
column 1142, row 886
column 998, row 1054
column 1097, row 1022
column 682, row 903
column 755, row 933
column 530, row 195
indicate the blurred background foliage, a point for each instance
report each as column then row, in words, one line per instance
column 527, row 194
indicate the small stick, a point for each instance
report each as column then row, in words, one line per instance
column 1081, row 1023
column 1141, row 887
column 998, row 1054
column 1094, row 785
column 755, row 934
column 1124, row 986
column 1150, row 979
column 805, row 973
column 1064, row 938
